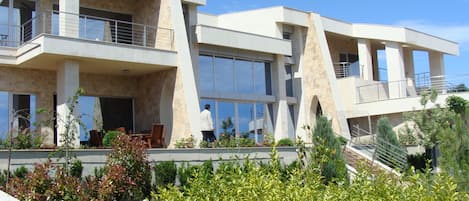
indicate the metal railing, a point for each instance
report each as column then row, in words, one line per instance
column 380, row 91
column 93, row 28
column 342, row 69
column 379, row 149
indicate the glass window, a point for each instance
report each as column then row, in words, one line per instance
column 291, row 109
column 224, row 75
column 3, row 114
column 265, row 126
column 247, row 123
column 262, row 78
column 289, row 80
column 244, row 77
column 206, row 82
column 226, row 119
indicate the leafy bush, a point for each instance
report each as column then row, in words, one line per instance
column 285, row 142
column 165, row 173
column 109, row 137
column 185, row 142
column 127, row 171
column 39, row 185
column 249, row 181
column 187, row 172
column 76, row 169
column 21, row 172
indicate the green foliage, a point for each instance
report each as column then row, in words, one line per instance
column 187, row 142
column 285, row 142
column 127, row 171
column 268, row 139
column 226, row 125
column 76, row 169
column 456, row 104
column 109, row 137
column 40, row 185
column 454, row 150
column 165, row 173
column 187, row 172
column 326, row 153
column 406, row 136
column 387, row 144
column 21, row 172
column 230, row 141
column 419, row 161
column 251, row 181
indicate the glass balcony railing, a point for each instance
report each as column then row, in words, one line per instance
column 88, row 28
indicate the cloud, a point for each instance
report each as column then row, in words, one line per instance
column 458, row 33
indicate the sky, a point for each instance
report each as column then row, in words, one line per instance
column 446, row 19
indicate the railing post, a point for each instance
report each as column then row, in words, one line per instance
column 84, row 29
column 22, row 34
column 144, row 35
column 115, row 31
column 44, row 22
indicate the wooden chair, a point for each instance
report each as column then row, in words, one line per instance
column 158, row 136
column 95, row 139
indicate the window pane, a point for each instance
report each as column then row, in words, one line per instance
column 206, row 74
column 265, row 127
column 291, row 109
column 224, row 81
column 262, row 78
column 246, row 120
column 3, row 114
column 289, row 80
column 244, row 77
column 86, row 104
column 225, row 119
column 212, row 110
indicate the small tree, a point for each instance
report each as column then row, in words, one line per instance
column 327, row 152
column 388, row 145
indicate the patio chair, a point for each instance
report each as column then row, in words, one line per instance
column 158, row 136
column 121, row 130
column 95, row 139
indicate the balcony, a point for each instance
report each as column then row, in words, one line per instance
column 113, row 44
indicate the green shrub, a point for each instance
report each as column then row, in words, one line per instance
column 165, row 173
column 21, row 172
column 109, row 137
column 387, row 143
column 187, row 171
column 285, row 142
column 127, row 175
column 326, row 153
column 76, row 169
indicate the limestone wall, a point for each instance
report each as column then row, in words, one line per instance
column 319, row 81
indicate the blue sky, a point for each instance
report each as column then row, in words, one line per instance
column 447, row 19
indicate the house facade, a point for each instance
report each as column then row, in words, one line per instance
column 265, row 72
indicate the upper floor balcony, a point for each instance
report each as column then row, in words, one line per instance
column 51, row 36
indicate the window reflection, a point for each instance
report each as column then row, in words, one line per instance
column 244, row 77
column 229, row 75
column 224, row 81
column 206, row 82
column 226, row 119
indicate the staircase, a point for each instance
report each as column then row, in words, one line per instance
column 376, row 153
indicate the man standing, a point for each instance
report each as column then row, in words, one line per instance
column 207, row 125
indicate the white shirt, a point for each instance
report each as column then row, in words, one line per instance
column 206, row 121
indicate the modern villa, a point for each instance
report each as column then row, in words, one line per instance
column 271, row 71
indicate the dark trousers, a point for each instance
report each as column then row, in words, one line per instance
column 208, row 136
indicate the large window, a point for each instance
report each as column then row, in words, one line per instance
column 100, row 113
column 245, row 119
column 17, row 110
column 225, row 75
column 289, row 80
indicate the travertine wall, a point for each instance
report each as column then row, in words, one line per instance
column 109, row 85
column 42, row 84
column 317, row 82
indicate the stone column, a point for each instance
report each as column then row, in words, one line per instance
column 437, row 70
column 281, row 106
column 409, row 63
column 69, row 21
column 43, row 16
column 396, row 75
column 67, row 86
column 364, row 56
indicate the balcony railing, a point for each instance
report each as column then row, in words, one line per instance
column 410, row 88
column 346, row 69
column 88, row 28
